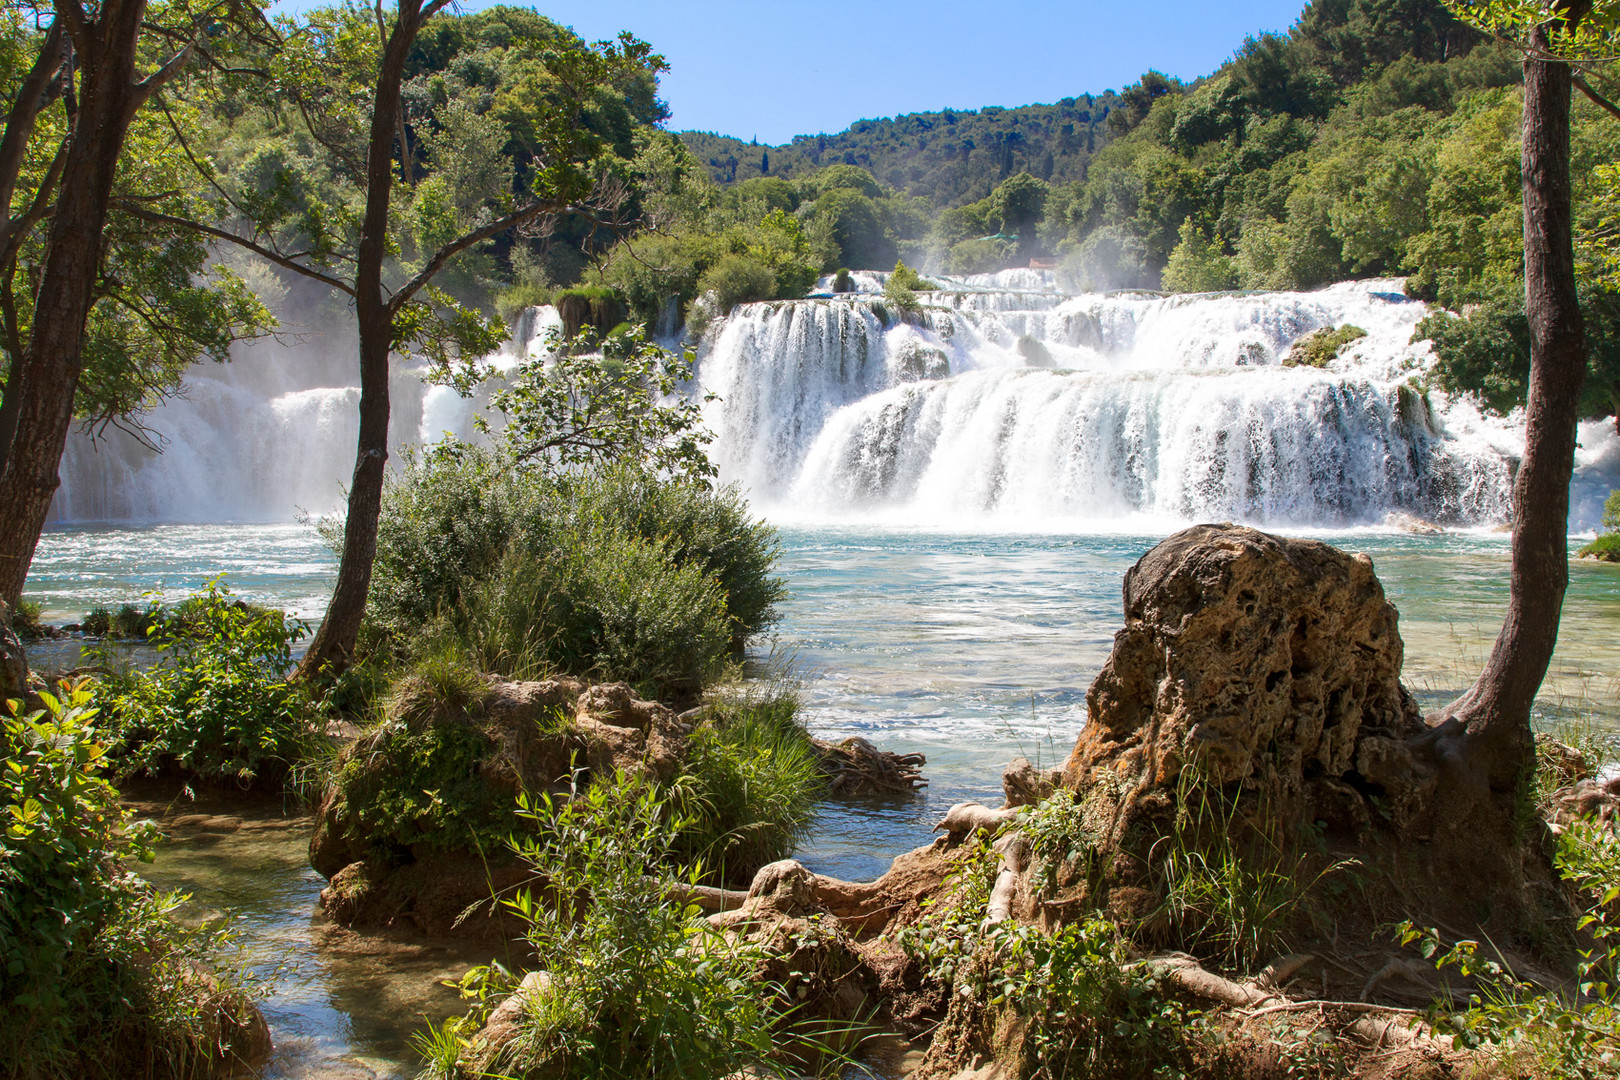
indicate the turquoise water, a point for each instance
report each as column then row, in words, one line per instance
column 971, row 649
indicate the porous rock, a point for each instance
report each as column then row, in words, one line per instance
column 1266, row 662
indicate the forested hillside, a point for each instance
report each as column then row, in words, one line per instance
column 948, row 158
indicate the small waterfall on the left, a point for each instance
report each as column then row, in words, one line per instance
column 259, row 439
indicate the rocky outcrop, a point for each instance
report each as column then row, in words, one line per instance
column 1256, row 663
column 424, row 868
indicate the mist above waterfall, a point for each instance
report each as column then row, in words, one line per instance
column 1004, row 403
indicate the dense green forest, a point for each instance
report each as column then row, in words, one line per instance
column 949, row 157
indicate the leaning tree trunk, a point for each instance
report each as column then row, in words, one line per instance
column 333, row 647
column 108, row 98
column 1494, row 741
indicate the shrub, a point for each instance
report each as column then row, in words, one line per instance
column 26, row 619
column 637, row 985
column 217, row 704
column 1607, row 545
column 1605, row 548
column 842, row 282
column 751, row 785
column 1318, row 350
column 738, row 279
column 96, row 978
column 908, row 278
column 518, row 297
column 613, row 574
column 97, row 623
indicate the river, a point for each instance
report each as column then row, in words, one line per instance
column 969, row 647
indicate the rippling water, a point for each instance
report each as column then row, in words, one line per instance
column 971, row 649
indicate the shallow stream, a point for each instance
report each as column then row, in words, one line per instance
column 969, row 648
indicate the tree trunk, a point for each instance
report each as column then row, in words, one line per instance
column 332, row 650
column 1489, row 729
column 108, row 98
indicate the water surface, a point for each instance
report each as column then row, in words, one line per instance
column 969, row 648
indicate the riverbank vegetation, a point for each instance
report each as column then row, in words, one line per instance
column 97, row 976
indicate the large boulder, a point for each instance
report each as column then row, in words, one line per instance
column 1266, row 665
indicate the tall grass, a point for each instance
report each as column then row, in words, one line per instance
column 751, row 785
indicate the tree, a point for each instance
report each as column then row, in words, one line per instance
column 1485, row 739
column 104, row 63
column 338, row 87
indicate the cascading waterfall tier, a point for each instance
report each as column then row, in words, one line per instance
column 1004, row 400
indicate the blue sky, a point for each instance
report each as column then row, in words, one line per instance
column 772, row 69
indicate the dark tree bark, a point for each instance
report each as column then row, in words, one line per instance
column 109, row 94
column 39, row 89
column 333, row 646
column 1487, row 730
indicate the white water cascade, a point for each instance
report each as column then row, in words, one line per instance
column 1007, row 402
column 1004, row 403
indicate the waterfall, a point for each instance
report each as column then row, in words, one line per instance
column 1005, row 401
column 262, row 438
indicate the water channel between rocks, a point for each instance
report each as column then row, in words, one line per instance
column 971, row 649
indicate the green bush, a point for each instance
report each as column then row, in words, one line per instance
column 97, row 623
column 26, row 619
column 96, row 978
column 518, row 297
column 750, row 788
column 842, row 282
column 738, row 279
column 614, row 574
column 1605, row 548
column 1318, row 349
column 1607, row 544
column 638, row 986
column 217, row 704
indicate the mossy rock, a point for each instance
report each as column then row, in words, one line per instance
column 416, row 818
column 1318, row 349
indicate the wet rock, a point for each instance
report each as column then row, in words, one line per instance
column 1261, row 661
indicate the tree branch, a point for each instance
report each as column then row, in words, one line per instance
column 1596, row 98
column 19, row 226
column 72, row 13
column 135, row 210
column 161, row 77
column 462, row 243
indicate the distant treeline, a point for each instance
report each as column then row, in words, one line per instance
column 948, row 158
